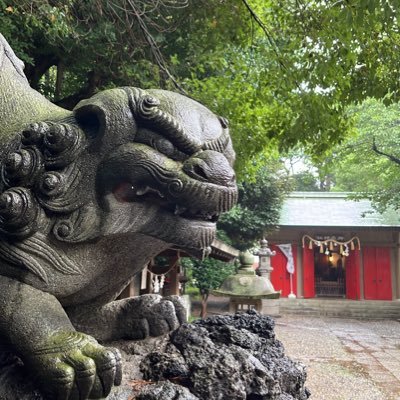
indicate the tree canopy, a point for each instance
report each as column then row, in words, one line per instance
column 303, row 63
column 368, row 161
column 208, row 275
column 282, row 71
column 258, row 209
column 92, row 44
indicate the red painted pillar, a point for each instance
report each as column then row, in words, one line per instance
column 308, row 273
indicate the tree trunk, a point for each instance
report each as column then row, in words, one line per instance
column 59, row 80
column 40, row 67
column 204, row 298
column 93, row 82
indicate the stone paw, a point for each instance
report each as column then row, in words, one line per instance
column 73, row 366
column 153, row 315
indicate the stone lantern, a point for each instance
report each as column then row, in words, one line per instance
column 247, row 290
column 265, row 254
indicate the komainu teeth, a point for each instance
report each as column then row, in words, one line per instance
column 147, row 189
column 179, row 210
column 142, row 191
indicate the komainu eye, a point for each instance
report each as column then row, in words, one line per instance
column 159, row 143
column 164, row 146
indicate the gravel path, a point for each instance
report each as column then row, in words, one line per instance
column 346, row 359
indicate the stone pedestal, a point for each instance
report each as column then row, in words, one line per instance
column 263, row 306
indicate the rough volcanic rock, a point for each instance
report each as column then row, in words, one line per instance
column 235, row 357
column 15, row 383
column 165, row 390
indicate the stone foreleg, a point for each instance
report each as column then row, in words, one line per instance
column 131, row 318
column 69, row 364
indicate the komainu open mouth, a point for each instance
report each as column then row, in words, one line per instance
column 126, row 192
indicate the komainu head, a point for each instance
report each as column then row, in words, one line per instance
column 125, row 162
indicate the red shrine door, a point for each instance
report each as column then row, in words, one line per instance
column 377, row 273
column 280, row 277
column 352, row 267
column 308, row 273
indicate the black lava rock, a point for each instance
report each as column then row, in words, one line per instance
column 15, row 383
column 165, row 391
column 235, row 357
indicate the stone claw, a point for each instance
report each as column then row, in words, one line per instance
column 73, row 366
column 118, row 369
column 132, row 318
column 153, row 315
column 180, row 309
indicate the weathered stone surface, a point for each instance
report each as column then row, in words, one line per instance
column 165, row 391
column 232, row 357
column 15, row 382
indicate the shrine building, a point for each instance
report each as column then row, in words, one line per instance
column 340, row 248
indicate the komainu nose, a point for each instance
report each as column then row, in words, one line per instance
column 210, row 166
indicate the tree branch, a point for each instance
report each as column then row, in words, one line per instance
column 381, row 153
column 269, row 36
column 261, row 24
column 154, row 48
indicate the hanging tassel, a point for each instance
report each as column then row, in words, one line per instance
column 321, row 249
column 156, row 285
column 162, row 281
column 331, row 246
column 341, row 249
column 352, row 247
column 310, row 245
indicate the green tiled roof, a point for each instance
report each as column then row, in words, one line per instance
column 333, row 209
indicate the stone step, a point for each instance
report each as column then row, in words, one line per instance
column 333, row 308
column 342, row 308
column 369, row 309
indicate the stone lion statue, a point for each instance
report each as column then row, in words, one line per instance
column 86, row 199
